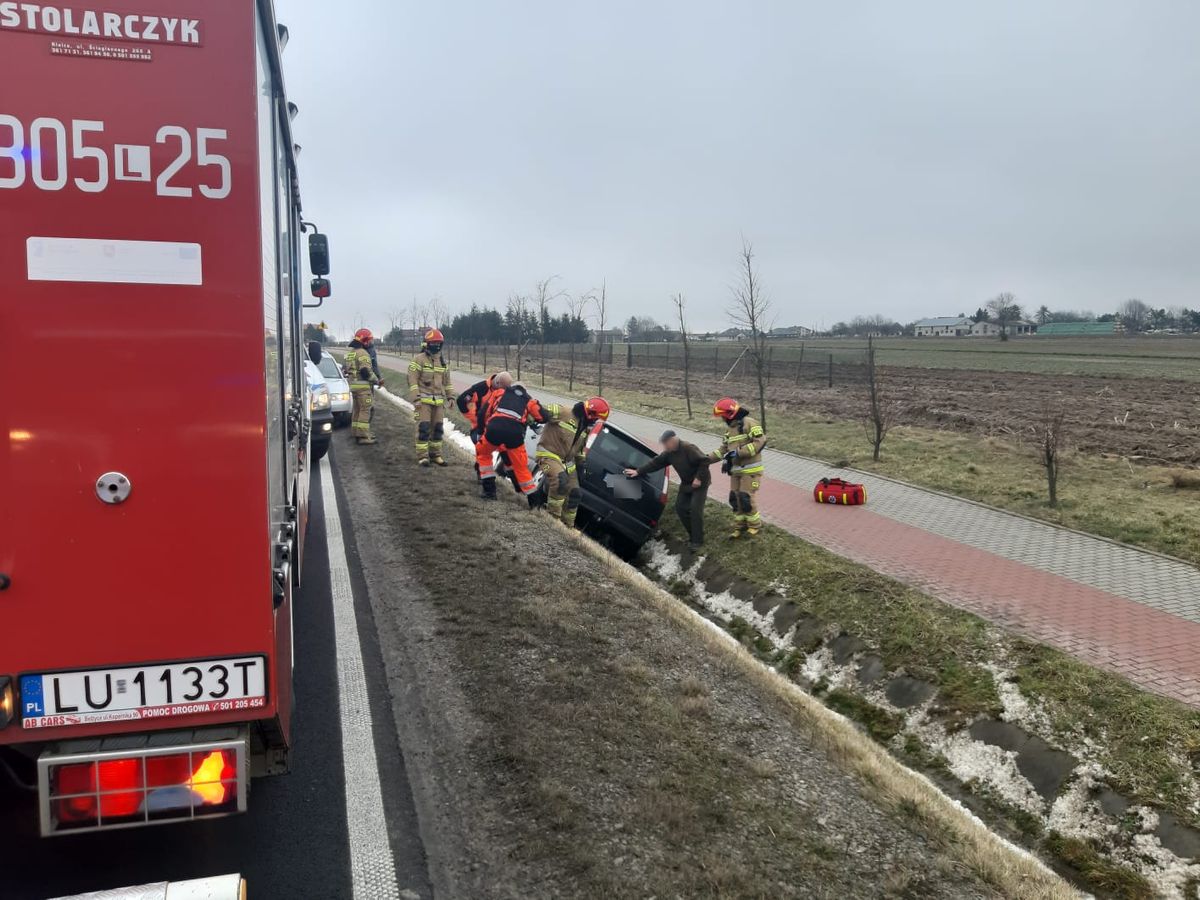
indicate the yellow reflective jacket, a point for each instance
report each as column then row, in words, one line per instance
column 429, row 380
column 748, row 438
column 357, row 358
column 561, row 439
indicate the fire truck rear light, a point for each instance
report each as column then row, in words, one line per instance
column 120, row 788
column 6, row 700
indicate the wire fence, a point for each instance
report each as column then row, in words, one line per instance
column 793, row 364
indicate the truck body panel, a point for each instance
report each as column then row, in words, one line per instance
column 148, row 217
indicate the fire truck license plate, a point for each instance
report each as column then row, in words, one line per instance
column 143, row 692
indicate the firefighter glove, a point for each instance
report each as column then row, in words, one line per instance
column 726, row 467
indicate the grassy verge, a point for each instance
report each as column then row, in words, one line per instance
column 1140, row 506
column 1145, row 742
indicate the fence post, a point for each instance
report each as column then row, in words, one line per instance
column 770, row 354
column 472, row 356
column 717, row 359
column 485, row 357
column 667, row 357
column 800, row 365
column 629, row 355
column 831, row 370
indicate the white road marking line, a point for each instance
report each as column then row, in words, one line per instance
column 372, row 869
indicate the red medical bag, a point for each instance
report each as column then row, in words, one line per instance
column 834, row 490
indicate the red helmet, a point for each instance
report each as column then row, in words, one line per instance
column 364, row 336
column 726, row 408
column 433, row 336
column 596, row 408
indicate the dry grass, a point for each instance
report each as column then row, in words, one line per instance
column 1010, row 871
column 1185, row 479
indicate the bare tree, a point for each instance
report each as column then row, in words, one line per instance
column 1004, row 310
column 687, row 352
column 750, row 310
column 881, row 414
column 599, row 299
column 518, row 315
column 1133, row 314
column 416, row 315
column 1051, row 437
column 396, row 320
column 436, row 312
column 543, row 296
column 577, row 307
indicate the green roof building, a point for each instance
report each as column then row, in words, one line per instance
column 1061, row 329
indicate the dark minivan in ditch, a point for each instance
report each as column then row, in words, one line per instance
column 620, row 512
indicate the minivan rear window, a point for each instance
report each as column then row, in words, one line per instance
column 620, row 450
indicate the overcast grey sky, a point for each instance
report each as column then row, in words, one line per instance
column 909, row 159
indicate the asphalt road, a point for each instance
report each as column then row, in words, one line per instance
column 294, row 840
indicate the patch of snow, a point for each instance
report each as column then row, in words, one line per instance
column 1166, row 872
column 1075, row 813
column 1017, row 708
column 815, row 664
column 970, row 760
column 669, row 566
column 666, row 564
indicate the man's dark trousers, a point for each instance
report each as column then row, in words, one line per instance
column 689, row 506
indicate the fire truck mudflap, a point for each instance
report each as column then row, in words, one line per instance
column 153, row 467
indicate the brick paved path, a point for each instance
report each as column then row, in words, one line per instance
column 1122, row 609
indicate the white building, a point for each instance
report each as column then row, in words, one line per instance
column 991, row 329
column 943, row 326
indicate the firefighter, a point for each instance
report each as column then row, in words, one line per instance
column 470, row 402
column 361, row 373
column 562, row 448
column 507, row 411
column 429, row 390
column 740, row 455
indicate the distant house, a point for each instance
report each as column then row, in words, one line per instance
column 1076, row 328
column 943, row 326
column 991, row 329
column 792, row 332
column 731, row 334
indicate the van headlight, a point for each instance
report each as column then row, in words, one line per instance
column 320, row 399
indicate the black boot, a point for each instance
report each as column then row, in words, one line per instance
column 489, row 489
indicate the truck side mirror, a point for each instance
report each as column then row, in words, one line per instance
column 314, row 352
column 321, row 288
column 318, row 253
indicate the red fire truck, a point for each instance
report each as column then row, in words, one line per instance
column 154, row 472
